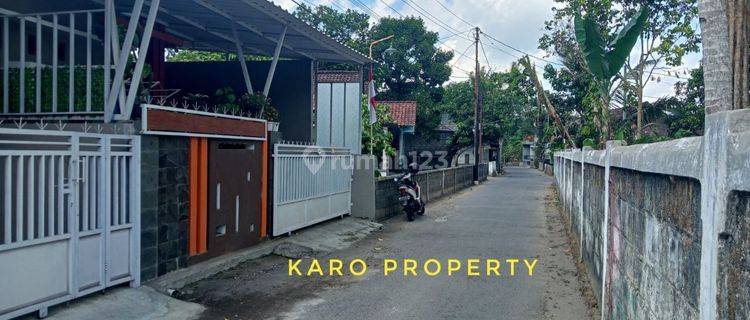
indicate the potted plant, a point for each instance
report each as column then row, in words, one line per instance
column 260, row 105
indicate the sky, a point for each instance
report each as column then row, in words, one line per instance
column 519, row 24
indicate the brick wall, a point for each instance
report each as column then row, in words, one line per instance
column 164, row 204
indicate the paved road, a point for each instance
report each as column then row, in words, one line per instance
column 506, row 217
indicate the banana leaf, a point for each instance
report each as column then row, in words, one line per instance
column 624, row 42
column 592, row 45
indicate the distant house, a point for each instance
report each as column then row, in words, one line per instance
column 529, row 150
column 433, row 151
column 404, row 114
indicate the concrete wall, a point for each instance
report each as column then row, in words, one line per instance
column 164, row 205
column 434, row 183
column 664, row 227
column 734, row 259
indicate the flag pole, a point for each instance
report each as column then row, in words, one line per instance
column 372, row 138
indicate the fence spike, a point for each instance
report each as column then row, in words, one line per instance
column 20, row 123
column 41, row 124
column 86, row 126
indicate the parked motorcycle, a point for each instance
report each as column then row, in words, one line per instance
column 410, row 193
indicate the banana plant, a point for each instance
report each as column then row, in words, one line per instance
column 604, row 60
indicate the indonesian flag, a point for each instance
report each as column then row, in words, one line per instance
column 371, row 101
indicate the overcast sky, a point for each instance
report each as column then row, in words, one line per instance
column 516, row 23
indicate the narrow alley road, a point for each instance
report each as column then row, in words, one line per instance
column 512, row 216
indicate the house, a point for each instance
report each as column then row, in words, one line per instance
column 529, row 150
column 404, row 115
column 433, row 151
column 116, row 168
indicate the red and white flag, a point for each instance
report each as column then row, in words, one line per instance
column 371, row 101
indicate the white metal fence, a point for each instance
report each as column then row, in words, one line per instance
column 53, row 63
column 69, row 216
column 311, row 184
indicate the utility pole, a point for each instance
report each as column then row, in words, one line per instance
column 477, row 110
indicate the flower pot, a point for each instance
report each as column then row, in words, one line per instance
column 273, row 126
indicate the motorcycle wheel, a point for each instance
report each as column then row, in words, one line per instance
column 409, row 215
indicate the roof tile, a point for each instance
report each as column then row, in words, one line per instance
column 404, row 113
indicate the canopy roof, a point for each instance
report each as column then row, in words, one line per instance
column 207, row 25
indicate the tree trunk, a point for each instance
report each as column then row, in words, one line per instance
column 543, row 99
column 717, row 57
column 605, row 118
column 738, row 35
column 639, row 115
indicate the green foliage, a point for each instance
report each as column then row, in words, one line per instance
column 513, row 149
column 604, row 61
column 183, row 55
column 378, row 132
column 621, row 46
column 509, row 104
column 417, row 69
column 349, row 27
column 79, row 89
column 225, row 98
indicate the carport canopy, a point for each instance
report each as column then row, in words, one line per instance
column 210, row 25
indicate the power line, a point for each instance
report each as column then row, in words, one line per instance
column 462, row 55
column 392, row 9
column 489, row 65
column 432, row 18
column 364, row 6
column 454, row 14
column 521, row 51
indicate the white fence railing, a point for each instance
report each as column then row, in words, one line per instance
column 69, row 216
column 311, row 184
column 55, row 62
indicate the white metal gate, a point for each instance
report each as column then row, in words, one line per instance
column 70, row 216
column 311, row 184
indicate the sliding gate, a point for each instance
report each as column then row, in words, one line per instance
column 311, row 184
column 69, row 216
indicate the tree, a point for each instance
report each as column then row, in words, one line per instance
column 379, row 134
column 667, row 36
column 509, row 106
column 724, row 25
column 417, row 69
column 542, row 99
column 184, row 55
column 605, row 60
column 349, row 27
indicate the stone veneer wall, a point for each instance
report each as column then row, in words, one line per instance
column 164, row 204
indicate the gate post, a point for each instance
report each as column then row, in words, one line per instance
column 73, row 191
column 605, row 223
column 135, row 182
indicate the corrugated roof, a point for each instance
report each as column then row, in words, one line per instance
column 404, row 113
column 207, row 25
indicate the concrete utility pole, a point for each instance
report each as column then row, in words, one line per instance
column 477, row 109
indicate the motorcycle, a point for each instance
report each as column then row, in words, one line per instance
column 410, row 194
